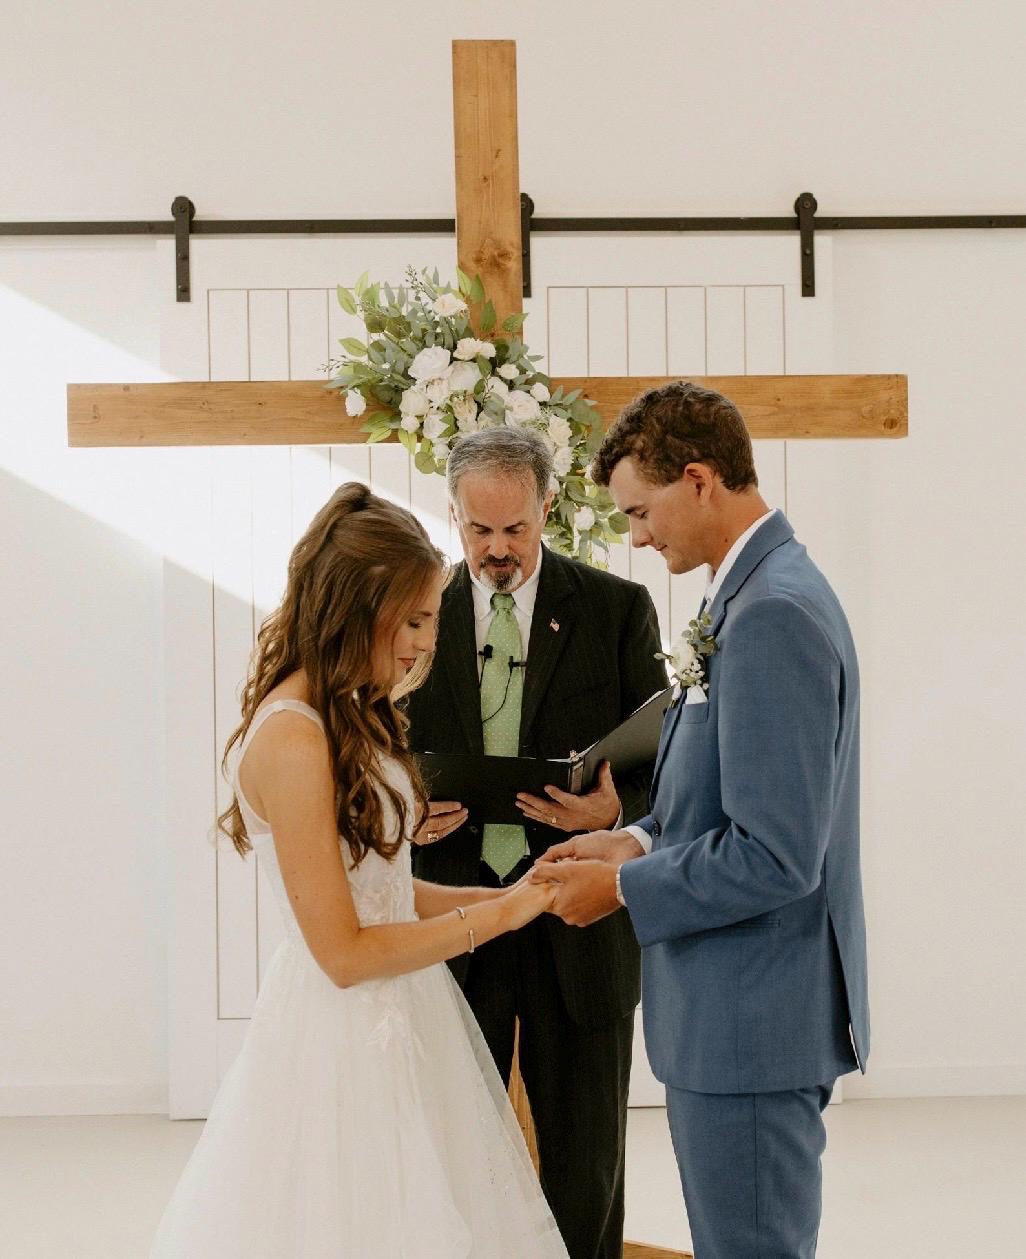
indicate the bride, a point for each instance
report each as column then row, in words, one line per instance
column 363, row 1118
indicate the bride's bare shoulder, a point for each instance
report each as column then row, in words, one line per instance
column 293, row 687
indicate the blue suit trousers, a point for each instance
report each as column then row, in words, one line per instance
column 750, row 1168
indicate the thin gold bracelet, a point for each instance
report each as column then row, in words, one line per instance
column 470, row 930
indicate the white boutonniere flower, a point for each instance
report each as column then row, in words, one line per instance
column 688, row 655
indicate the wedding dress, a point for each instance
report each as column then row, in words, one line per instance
column 359, row 1123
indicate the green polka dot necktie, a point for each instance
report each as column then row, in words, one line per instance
column 502, row 693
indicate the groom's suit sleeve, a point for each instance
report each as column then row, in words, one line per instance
column 778, row 681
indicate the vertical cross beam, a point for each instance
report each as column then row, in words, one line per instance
column 484, row 90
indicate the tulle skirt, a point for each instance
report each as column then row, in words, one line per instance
column 359, row 1123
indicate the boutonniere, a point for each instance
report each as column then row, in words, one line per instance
column 688, row 654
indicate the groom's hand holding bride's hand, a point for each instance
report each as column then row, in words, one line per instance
column 583, row 870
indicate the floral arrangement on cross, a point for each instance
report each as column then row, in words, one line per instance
column 425, row 374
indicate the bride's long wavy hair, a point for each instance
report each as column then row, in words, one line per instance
column 361, row 567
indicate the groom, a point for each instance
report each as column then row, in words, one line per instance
column 743, row 882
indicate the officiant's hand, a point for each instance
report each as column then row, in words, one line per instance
column 585, row 891
column 592, row 811
column 444, row 817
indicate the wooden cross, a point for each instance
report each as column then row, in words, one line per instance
column 488, row 235
column 488, row 240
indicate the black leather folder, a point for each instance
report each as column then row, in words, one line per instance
column 488, row 785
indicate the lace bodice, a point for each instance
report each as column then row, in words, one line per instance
column 382, row 890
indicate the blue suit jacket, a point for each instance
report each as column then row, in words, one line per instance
column 749, row 907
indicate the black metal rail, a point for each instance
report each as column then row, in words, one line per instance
column 183, row 225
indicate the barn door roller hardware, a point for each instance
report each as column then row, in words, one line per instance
column 183, row 212
column 183, row 226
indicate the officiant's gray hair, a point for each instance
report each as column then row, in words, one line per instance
column 503, row 451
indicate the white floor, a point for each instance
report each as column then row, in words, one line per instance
column 903, row 1180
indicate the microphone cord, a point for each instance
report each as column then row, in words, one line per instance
column 486, row 656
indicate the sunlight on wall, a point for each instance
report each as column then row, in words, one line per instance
column 159, row 497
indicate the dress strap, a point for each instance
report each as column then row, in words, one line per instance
column 277, row 706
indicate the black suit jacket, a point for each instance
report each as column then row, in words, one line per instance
column 582, row 679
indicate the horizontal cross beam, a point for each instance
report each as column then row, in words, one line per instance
column 304, row 413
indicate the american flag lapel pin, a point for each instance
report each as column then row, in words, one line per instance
column 554, row 626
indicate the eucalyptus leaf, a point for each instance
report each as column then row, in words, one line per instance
column 352, row 346
column 424, row 460
column 513, row 323
column 345, row 300
column 360, row 285
column 487, row 320
column 619, row 523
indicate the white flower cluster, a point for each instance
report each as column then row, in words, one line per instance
column 427, row 377
column 687, row 657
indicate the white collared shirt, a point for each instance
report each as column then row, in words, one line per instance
column 714, row 587
column 523, row 608
column 717, row 579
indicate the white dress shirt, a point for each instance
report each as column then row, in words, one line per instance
column 715, row 584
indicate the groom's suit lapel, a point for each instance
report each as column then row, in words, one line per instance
column 457, row 653
column 774, row 533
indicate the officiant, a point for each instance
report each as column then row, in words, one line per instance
column 539, row 655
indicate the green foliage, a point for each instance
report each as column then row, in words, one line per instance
column 425, row 314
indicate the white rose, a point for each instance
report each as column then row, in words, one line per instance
column 469, row 347
column 560, row 430
column 448, row 304
column 584, row 519
column 430, row 363
column 413, row 402
column 463, row 376
column 464, row 408
column 438, row 390
column 509, row 371
column 563, row 461
column 356, row 403
column 522, row 406
column 540, row 393
column 684, row 659
column 440, row 450
column 410, row 422
column 497, row 386
column 434, row 425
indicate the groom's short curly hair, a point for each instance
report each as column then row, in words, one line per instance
column 667, row 428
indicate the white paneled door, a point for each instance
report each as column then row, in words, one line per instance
column 266, row 310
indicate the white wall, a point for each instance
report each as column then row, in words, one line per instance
column 674, row 108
